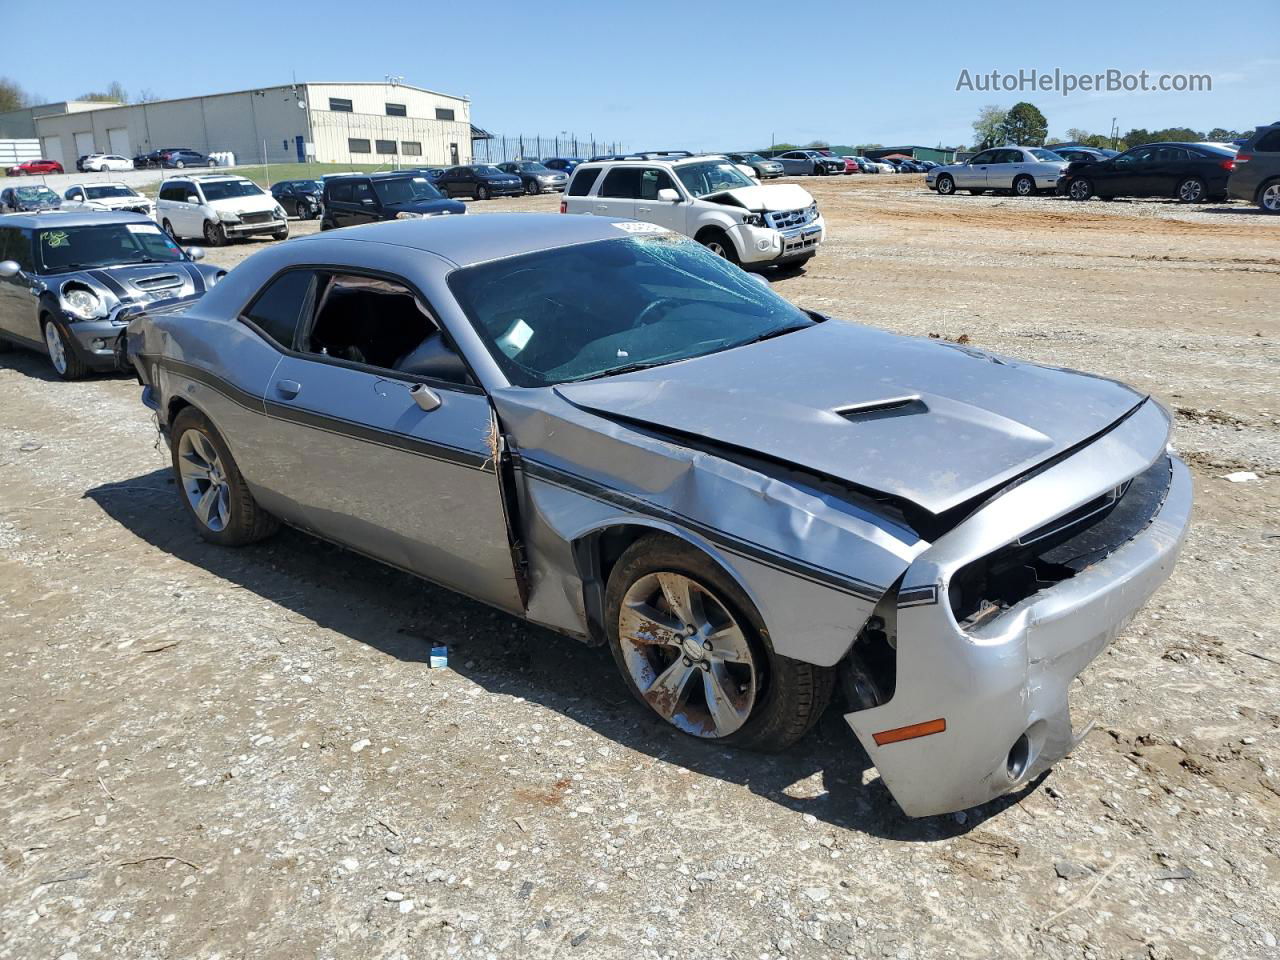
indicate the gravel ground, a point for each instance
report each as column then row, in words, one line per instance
column 245, row 754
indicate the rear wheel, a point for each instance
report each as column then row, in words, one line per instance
column 66, row 362
column 1191, row 190
column 210, row 486
column 946, row 185
column 693, row 649
column 179, row 164
column 1269, row 198
column 1024, row 186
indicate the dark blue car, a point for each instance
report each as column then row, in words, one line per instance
column 367, row 198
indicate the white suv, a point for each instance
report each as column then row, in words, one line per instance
column 704, row 197
column 217, row 208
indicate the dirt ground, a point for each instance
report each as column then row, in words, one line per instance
column 225, row 754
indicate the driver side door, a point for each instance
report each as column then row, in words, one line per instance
column 668, row 213
column 973, row 175
column 358, row 460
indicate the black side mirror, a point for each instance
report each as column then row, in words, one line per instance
column 435, row 359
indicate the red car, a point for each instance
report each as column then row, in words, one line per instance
column 30, row 168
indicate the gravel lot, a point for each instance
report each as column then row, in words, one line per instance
column 245, row 754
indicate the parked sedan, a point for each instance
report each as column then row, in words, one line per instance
column 536, row 177
column 563, row 417
column 764, row 169
column 70, row 281
column 98, row 162
column 1023, row 170
column 565, row 165
column 809, row 163
column 34, row 168
column 28, row 199
column 1187, row 172
column 107, row 196
column 299, row 198
column 479, row 181
column 178, row 159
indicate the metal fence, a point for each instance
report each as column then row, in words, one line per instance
column 500, row 149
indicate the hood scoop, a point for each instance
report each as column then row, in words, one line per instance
column 161, row 281
column 882, row 409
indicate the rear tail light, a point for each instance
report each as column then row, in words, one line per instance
column 564, row 206
column 1243, row 157
column 1228, row 165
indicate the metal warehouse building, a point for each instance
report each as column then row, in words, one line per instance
column 327, row 122
column 936, row 154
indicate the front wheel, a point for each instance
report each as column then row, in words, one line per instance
column 179, row 164
column 212, row 490
column 946, row 185
column 1024, row 186
column 168, row 228
column 532, row 188
column 693, row 649
column 482, row 192
column 215, row 235
column 281, row 234
column 66, row 362
column 1080, row 189
column 1190, row 190
column 720, row 244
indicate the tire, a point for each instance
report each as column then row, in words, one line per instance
column 719, row 243
column 1081, row 188
column 482, row 192
column 215, row 235
column 1024, row 186
column 532, row 188
column 233, row 516
column 5, row 345
column 776, row 700
column 977, row 193
column 946, row 186
column 281, row 234
column 178, row 164
column 66, row 362
column 1269, row 197
column 168, row 228
column 819, row 170
column 1191, row 190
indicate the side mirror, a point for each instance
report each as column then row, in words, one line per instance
column 435, row 359
column 9, row 269
column 195, row 253
column 368, row 201
column 667, row 195
column 192, row 198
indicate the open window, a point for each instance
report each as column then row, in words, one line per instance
column 381, row 323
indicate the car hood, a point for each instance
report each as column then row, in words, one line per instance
column 262, row 204
column 118, row 203
column 147, row 282
column 932, row 423
column 785, row 196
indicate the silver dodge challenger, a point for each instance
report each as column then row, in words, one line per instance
column 597, row 425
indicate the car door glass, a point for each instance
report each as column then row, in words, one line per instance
column 278, row 307
column 621, row 182
column 652, row 180
column 340, row 193
column 363, row 191
column 984, row 157
column 380, row 323
column 1170, row 154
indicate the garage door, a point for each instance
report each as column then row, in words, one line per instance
column 51, row 147
column 118, row 140
column 84, row 144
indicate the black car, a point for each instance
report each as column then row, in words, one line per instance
column 536, row 177
column 367, row 198
column 183, row 157
column 300, row 198
column 1187, row 172
column 479, row 181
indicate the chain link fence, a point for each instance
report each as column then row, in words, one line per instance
column 499, row 149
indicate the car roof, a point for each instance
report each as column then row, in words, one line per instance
column 72, row 218
column 477, row 239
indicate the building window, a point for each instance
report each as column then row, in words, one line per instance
column 396, row 110
column 356, row 145
column 340, row 105
column 386, row 146
column 411, row 148
column 443, row 114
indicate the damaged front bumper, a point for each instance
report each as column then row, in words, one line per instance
column 767, row 245
column 993, row 698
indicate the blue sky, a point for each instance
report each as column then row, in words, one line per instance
column 683, row 74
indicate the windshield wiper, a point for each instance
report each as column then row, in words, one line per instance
column 770, row 334
column 625, row 368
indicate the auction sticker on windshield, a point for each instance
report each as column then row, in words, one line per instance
column 636, row 226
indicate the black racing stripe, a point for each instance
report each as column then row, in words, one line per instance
column 386, row 438
column 917, row 596
column 197, row 278
column 111, row 283
column 754, row 551
column 319, row 421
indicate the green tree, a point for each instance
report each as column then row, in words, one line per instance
column 816, row 145
column 988, row 127
column 1077, row 135
column 115, row 93
column 12, row 96
column 1025, row 124
column 1222, row 133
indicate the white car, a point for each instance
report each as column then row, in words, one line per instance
column 218, row 208
column 1024, row 170
column 107, row 196
column 705, row 197
column 97, row 162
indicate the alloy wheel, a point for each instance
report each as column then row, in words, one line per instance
column 687, row 655
column 1080, row 190
column 1271, row 199
column 946, row 186
column 203, row 480
column 1190, row 191
column 57, row 349
column 1023, row 187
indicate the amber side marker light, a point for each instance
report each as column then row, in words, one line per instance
column 910, row 732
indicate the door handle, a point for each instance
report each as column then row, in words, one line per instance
column 288, row 388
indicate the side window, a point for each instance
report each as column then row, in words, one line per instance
column 172, row 191
column 22, row 252
column 278, row 306
column 984, row 157
column 363, row 190
column 380, row 323
column 583, row 180
column 653, row 180
column 1268, row 142
column 621, row 182
column 340, row 193
column 1170, row 154
column 76, row 194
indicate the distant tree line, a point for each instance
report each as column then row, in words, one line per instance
column 14, row 97
column 1023, row 123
